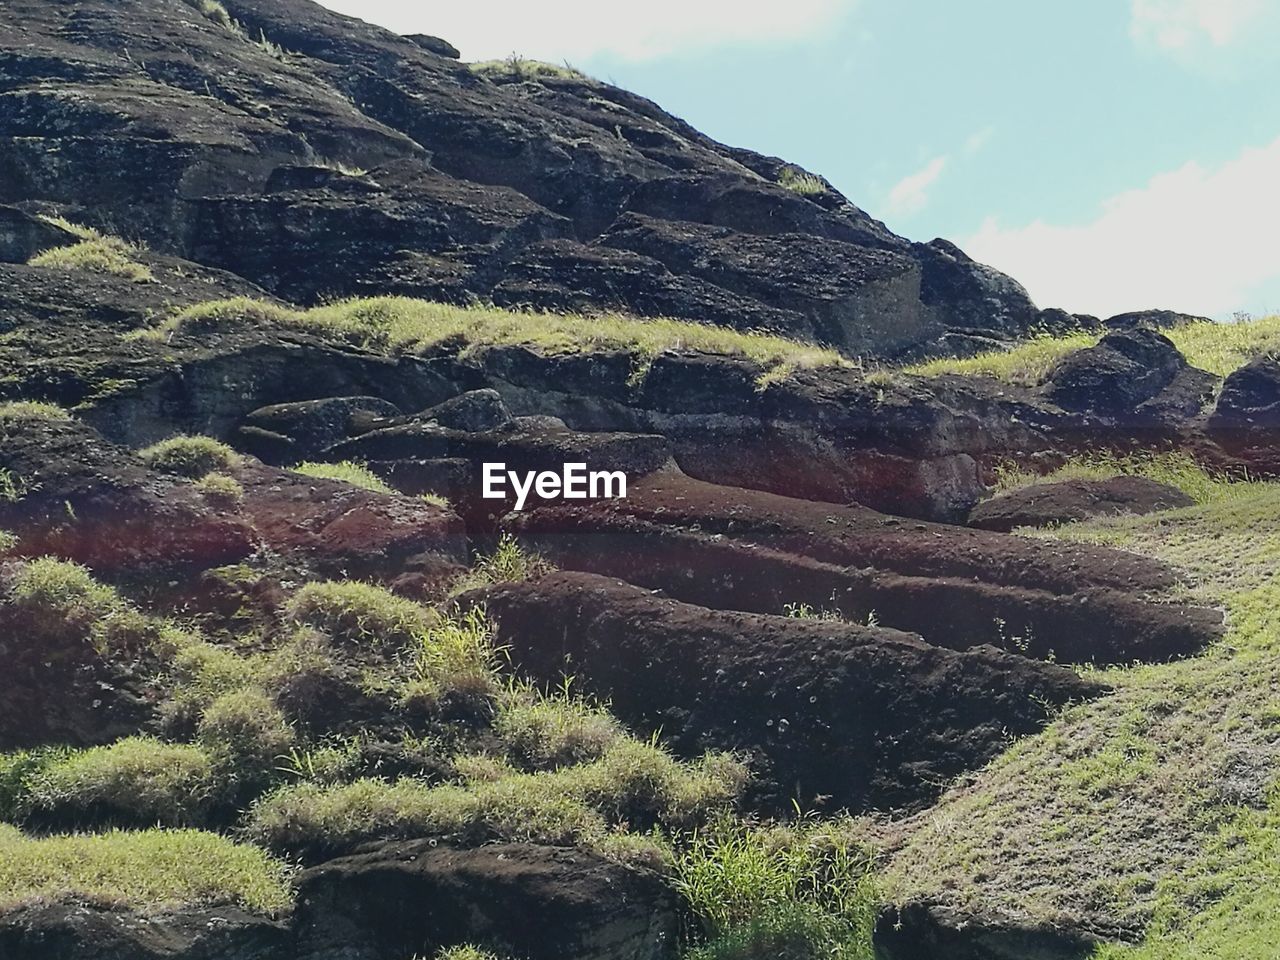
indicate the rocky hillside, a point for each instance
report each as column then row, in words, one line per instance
column 281, row 684
column 319, row 157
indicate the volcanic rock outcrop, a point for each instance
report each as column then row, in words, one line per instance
column 318, row 156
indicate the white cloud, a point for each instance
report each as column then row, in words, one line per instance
column 558, row 30
column 910, row 194
column 1180, row 24
column 1194, row 239
column 977, row 140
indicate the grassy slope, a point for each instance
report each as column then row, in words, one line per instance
column 1216, row 347
column 1151, row 813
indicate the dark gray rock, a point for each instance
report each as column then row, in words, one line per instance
column 291, row 432
column 1246, row 418
column 209, row 146
column 1126, row 369
column 23, row 236
column 474, row 410
column 539, row 903
column 441, row 48
column 73, row 931
column 1154, row 319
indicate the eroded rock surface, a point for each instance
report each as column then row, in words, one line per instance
column 819, row 706
column 542, row 903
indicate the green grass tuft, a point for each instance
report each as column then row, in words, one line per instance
column 151, row 869
column 95, row 252
column 347, row 471
column 455, row 662
column 465, row 952
column 190, row 456
column 509, row 563
column 798, row 181
column 14, row 412
column 546, row 731
column 221, row 489
column 59, row 604
column 360, row 613
column 520, row 68
column 138, row 781
column 632, row 783
column 803, row 892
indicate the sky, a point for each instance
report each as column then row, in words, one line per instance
column 1110, row 154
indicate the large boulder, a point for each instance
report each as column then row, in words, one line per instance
column 1133, row 375
column 1246, row 419
column 76, row 931
column 413, row 898
column 23, row 236
column 287, row 433
column 1045, row 504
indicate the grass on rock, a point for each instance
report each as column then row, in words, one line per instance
column 96, row 252
column 633, row 783
column 190, row 456
column 360, row 613
column 347, row 471
column 15, row 412
column 1220, row 348
column 1175, row 468
column 60, row 604
column 508, row 563
column 521, row 68
column 138, row 781
column 798, row 181
column 406, row 325
column 155, row 869
column 221, row 490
